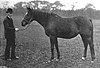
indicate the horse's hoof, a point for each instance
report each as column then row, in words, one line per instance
column 83, row 58
column 57, row 59
column 49, row 61
column 92, row 61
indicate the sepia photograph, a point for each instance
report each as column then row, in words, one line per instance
column 49, row 34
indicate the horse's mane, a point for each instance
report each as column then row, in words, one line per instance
column 44, row 13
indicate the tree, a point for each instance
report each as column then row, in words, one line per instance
column 35, row 4
column 57, row 5
column 47, row 6
column 89, row 5
column 5, row 4
column 73, row 6
column 89, row 10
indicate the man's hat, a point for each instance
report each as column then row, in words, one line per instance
column 9, row 10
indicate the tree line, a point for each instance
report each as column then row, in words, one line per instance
column 20, row 8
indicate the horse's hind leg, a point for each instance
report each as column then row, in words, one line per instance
column 90, row 41
column 85, row 42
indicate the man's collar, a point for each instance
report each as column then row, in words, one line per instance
column 8, row 16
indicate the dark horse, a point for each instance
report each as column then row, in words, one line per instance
column 58, row 27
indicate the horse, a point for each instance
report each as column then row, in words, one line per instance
column 57, row 27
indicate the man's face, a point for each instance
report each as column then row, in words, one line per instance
column 10, row 15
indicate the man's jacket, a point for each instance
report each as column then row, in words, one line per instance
column 9, row 29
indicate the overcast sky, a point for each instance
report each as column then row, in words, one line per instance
column 78, row 3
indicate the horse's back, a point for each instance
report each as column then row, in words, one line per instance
column 68, row 27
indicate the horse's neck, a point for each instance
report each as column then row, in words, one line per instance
column 42, row 18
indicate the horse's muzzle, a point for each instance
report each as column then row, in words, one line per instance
column 23, row 23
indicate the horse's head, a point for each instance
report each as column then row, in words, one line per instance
column 28, row 17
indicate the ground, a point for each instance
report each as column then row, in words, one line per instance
column 33, row 48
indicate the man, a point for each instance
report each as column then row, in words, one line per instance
column 9, row 32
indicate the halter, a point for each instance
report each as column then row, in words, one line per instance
column 28, row 22
column 26, row 25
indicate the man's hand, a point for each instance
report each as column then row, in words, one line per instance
column 16, row 29
column 3, row 37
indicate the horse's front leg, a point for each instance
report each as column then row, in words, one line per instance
column 52, row 41
column 56, row 45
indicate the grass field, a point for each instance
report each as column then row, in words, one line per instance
column 33, row 48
